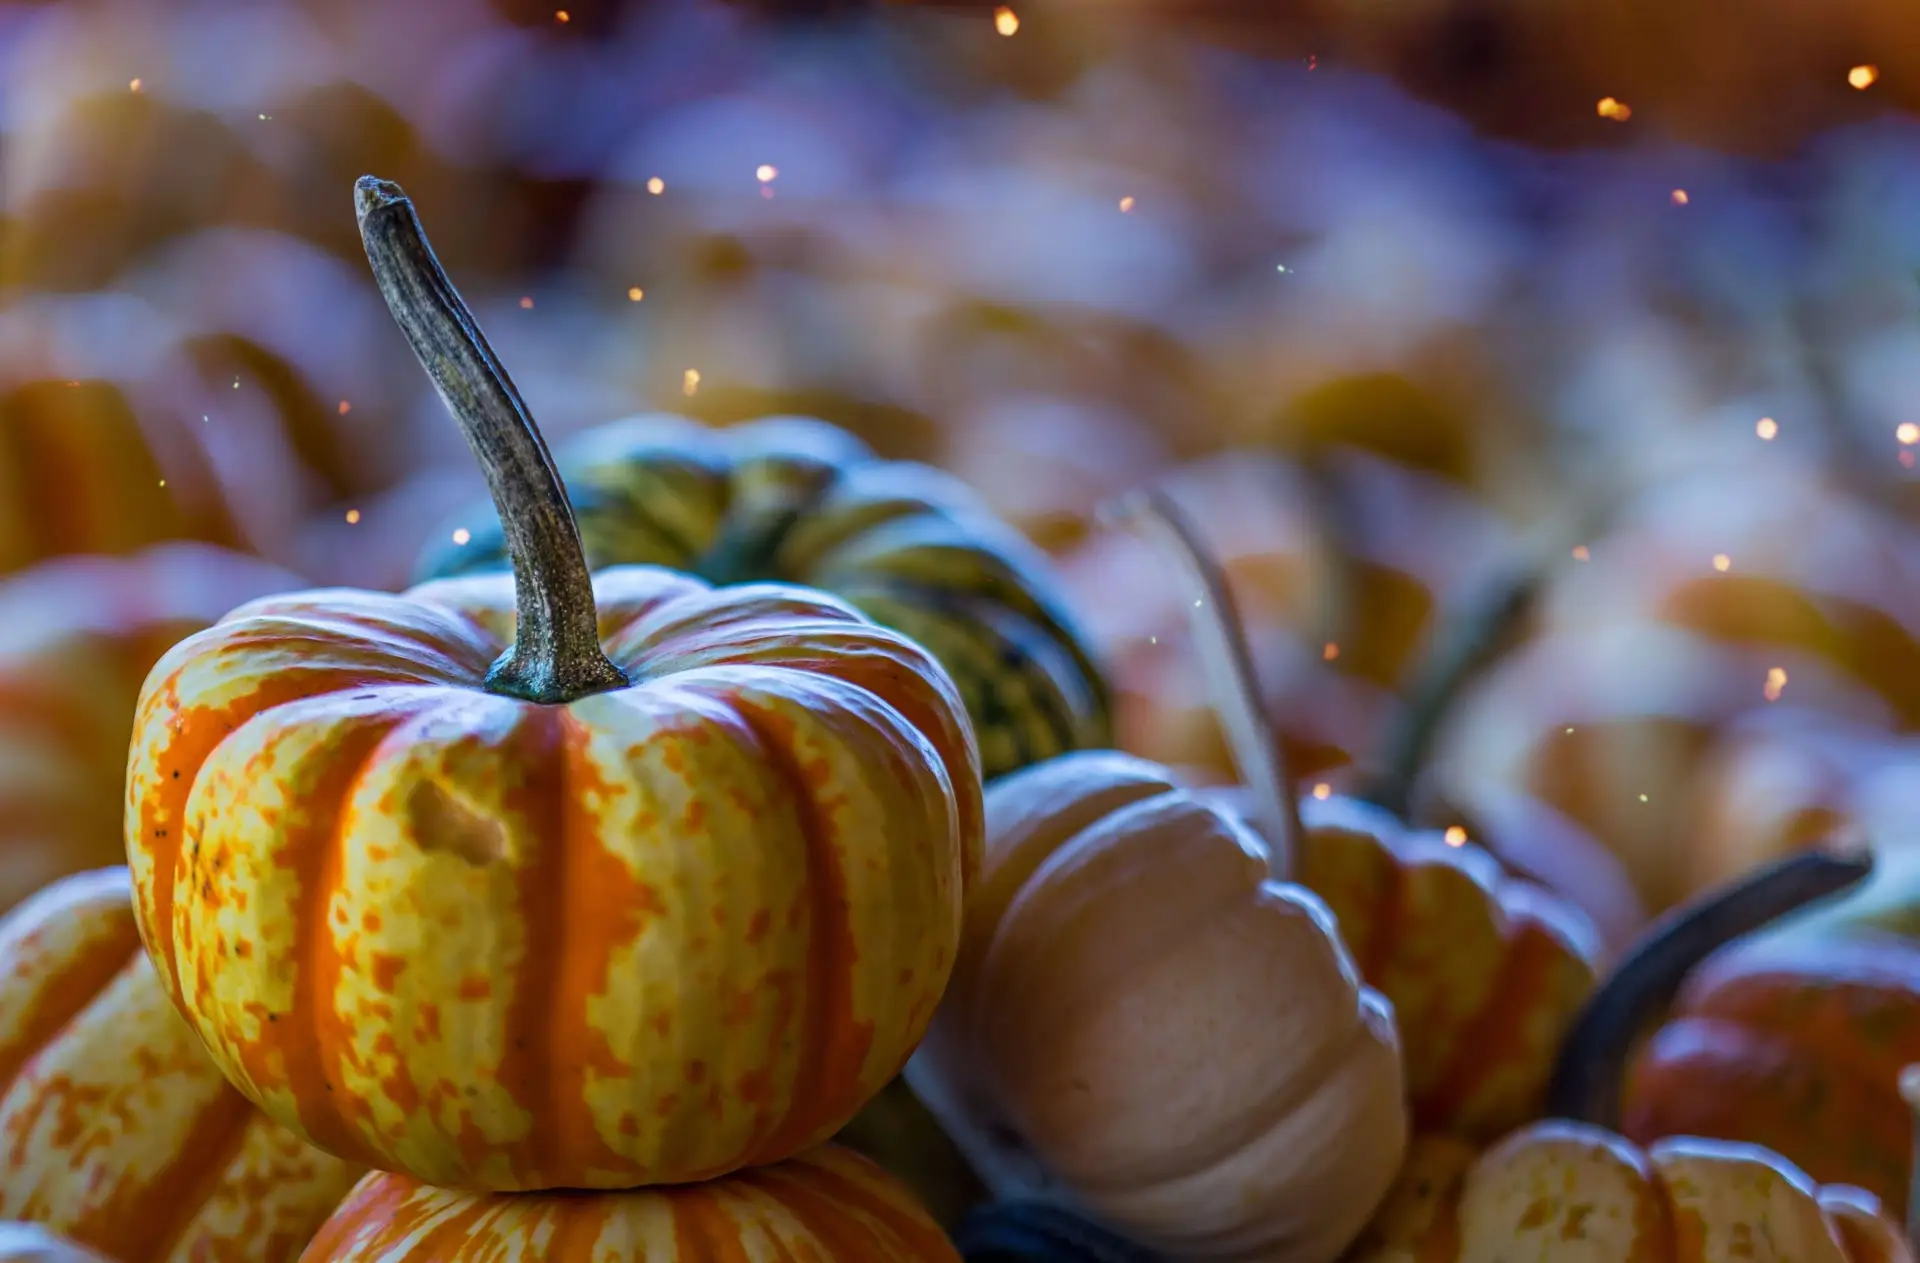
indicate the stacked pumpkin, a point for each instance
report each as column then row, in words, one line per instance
column 542, row 881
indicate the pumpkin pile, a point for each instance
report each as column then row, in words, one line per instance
column 1018, row 742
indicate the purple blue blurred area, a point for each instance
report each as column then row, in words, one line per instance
column 1057, row 256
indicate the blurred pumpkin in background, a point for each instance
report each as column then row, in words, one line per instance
column 1345, row 576
column 113, row 437
column 1762, row 554
column 1534, row 73
column 265, row 314
column 1782, row 780
column 77, row 637
column 827, row 1203
column 796, row 500
column 93, row 175
column 121, row 1133
column 1610, row 726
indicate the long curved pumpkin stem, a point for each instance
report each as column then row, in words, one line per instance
column 1228, row 663
column 556, row 654
column 1477, row 639
column 1463, row 652
column 1586, row 1081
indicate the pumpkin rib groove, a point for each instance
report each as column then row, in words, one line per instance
column 1486, row 1037
column 1012, row 643
column 1389, row 920
column 314, row 1060
column 69, row 993
column 825, row 973
column 219, row 1136
column 546, row 948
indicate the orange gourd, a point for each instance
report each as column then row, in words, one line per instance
column 115, row 1129
column 826, row 1204
column 77, row 637
column 1790, row 1033
column 669, row 887
column 117, row 433
column 79, row 473
column 1485, row 971
column 1561, row 1190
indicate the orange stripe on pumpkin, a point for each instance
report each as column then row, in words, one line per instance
column 1496, row 1038
column 68, row 985
column 834, row 1180
column 144, row 1228
column 833, row 1045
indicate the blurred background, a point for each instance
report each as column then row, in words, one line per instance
column 1395, row 298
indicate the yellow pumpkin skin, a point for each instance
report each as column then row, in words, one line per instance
column 1485, row 972
column 797, row 500
column 1171, row 1039
column 77, row 637
column 393, row 903
column 116, row 1130
column 1562, row 1190
column 829, row 1204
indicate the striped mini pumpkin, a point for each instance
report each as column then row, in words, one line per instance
column 827, row 1206
column 800, row 501
column 648, row 935
column 116, row 1129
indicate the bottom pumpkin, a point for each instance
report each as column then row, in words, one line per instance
column 1563, row 1190
column 827, row 1206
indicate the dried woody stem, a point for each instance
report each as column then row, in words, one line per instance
column 1231, row 679
column 556, row 654
column 1586, row 1082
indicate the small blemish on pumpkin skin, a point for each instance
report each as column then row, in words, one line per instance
column 440, row 822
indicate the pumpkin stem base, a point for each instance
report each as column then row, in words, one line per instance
column 556, row 655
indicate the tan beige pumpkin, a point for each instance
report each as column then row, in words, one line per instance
column 1142, row 1020
column 1485, row 971
column 116, row 1129
column 1147, row 1019
column 1559, row 1190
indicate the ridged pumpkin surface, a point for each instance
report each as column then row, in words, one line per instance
column 652, row 935
column 77, row 636
column 1566, row 1191
column 826, row 1206
column 1485, row 972
column 800, row 501
column 116, row 1130
column 1144, row 1022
